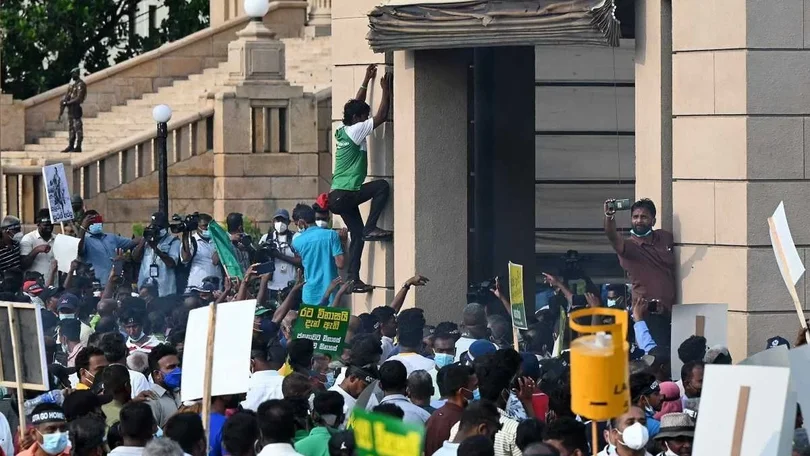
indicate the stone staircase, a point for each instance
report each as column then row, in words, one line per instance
column 308, row 64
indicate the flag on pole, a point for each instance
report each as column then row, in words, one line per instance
column 225, row 250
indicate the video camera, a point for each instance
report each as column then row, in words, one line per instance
column 481, row 292
column 151, row 233
column 266, row 255
column 187, row 224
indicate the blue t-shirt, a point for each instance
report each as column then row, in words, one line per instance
column 318, row 249
column 215, row 422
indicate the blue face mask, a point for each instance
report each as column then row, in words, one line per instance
column 172, row 379
column 163, row 232
column 476, row 395
column 95, row 228
column 205, row 234
column 330, row 380
column 55, row 443
column 442, row 359
column 159, row 433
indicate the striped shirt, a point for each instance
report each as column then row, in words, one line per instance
column 504, row 439
column 10, row 257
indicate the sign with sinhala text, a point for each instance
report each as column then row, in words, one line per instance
column 325, row 326
column 381, row 435
column 516, row 296
column 56, row 186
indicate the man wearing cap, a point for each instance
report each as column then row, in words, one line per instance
column 9, row 247
column 198, row 252
column 158, row 256
column 281, row 239
column 68, row 309
column 99, row 248
column 73, row 99
column 646, row 394
column 676, row 434
column 356, row 380
column 48, row 431
column 36, row 246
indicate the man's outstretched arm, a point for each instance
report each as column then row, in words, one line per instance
column 382, row 111
column 371, row 73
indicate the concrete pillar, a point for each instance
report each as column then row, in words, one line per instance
column 653, row 62
column 739, row 146
column 430, row 189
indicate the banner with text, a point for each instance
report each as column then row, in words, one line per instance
column 325, row 326
column 519, row 319
column 382, row 435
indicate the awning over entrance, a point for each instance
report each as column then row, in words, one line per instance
column 440, row 24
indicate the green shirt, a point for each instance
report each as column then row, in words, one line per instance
column 317, row 444
column 351, row 156
column 112, row 410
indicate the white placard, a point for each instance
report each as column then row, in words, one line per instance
column 232, row 341
column 769, row 418
column 56, row 186
column 685, row 322
column 794, row 269
column 772, row 357
column 65, row 250
column 800, row 377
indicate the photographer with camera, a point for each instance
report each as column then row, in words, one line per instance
column 278, row 244
column 159, row 253
column 197, row 250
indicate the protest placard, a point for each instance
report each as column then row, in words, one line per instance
column 787, row 258
column 707, row 320
column 230, row 350
column 56, row 186
column 382, row 435
column 22, row 321
column 799, row 359
column 65, row 250
column 773, row 357
column 745, row 411
column 519, row 319
column 325, row 326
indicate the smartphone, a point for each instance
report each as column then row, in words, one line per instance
column 266, row 268
column 620, row 205
column 654, row 306
column 118, row 268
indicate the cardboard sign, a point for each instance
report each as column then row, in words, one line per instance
column 232, row 341
column 382, row 435
column 772, row 357
column 707, row 320
column 745, row 411
column 325, row 326
column 787, row 257
column 516, row 296
column 65, row 250
column 28, row 348
column 56, row 186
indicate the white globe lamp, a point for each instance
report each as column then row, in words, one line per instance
column 161, row 113
column 257, row 9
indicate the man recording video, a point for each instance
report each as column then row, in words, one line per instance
column 159, row 252
column 279, row 243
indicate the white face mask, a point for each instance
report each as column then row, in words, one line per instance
column 669, row 452
column 322, row 223
column 280, row 227
column 635, row 436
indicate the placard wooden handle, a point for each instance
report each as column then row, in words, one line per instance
column 739, row 420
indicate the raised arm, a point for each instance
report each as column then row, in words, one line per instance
column 243, row 288
column 285, row 306
column 399, row 299
column 610, row 227
column 371, row 73
column 382, row 111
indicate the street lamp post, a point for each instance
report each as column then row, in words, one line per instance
column 162, row 114
column 257, row 9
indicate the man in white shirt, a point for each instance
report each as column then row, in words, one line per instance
column 479, row 418
column 280, row 240
column 277, row 426
column 137, row 426
column 410, row 325
column 265, row 380
column 198, row 251
column 355, row 382
column 394, row 383
column 36, row 247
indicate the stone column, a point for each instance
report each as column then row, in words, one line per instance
column 320, row 17
column 351, row 55
column 430, row 189
column 740, row 146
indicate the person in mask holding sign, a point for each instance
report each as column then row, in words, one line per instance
column 48, row 432
column 627, row 435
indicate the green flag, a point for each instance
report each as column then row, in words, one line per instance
column 225, row 250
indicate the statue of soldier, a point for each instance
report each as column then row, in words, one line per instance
column 73, row 99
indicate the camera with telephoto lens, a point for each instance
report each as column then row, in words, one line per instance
column 151, row 233
column 187, row 224
column 481, row 292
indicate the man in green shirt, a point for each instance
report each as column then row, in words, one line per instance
column 327, row 414
column 351, row 168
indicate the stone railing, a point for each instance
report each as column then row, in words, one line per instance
column 119, row 164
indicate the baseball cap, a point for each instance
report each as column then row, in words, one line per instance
column 774, row 342
column 283, row 213
column 529, row 365
column 68, row 301
column 480, row 348
column 82, row 402
column 33, row 288
column 160, row 219
column 261, row 310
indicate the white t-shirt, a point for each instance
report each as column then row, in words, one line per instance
column 263, row 386
column 6, row 437
column 414, row 362
column 202, row 262
column 359, row 132
column 447, row 449
column 387, row 345
column 348, row 404
column 42, row 262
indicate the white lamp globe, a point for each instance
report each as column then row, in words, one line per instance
column 161, row 113
column 257, row 8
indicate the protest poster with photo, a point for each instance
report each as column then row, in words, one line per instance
column 22, row 347
column 56, row 186
column 707, row 320
column 325, row 326
column 519, row 319
column 381, row 435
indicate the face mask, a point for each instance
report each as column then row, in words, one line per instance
column 611, row 449
column 172, row 379
column 442, row 359
column 135, row 339
column 280, row 227
column 330, row 380
column 159, row 433
column 645, row 234
column 635, row 436
column 612, row 302
column 163, row 232
column 648, row 408
column 95, row 228
column 205, row 234
column 669, row 452
column 54, row 443
column 476, row 395
column 67, row 316
column 322, row 223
